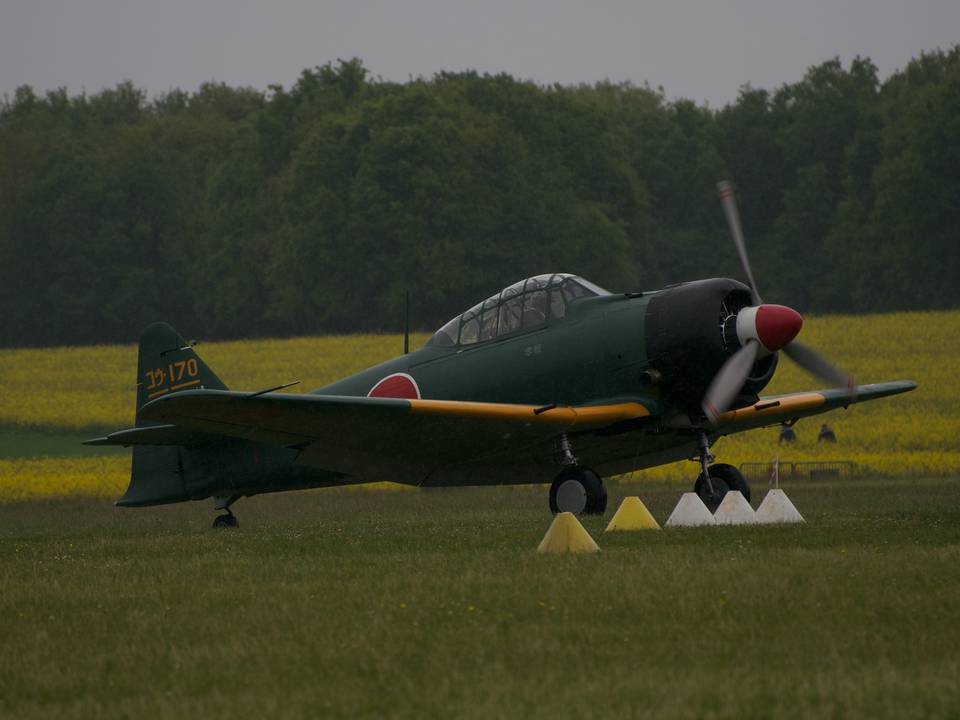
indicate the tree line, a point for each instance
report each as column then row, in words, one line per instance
column 233, row 212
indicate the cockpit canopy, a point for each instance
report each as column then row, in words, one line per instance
column 524, row 305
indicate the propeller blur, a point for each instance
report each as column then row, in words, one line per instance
column 761, row 329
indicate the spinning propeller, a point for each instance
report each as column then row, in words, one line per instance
column 761, row 329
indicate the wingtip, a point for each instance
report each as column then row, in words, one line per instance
column 897, row 385
column 875, row 390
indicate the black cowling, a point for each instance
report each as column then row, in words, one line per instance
column 687, row 343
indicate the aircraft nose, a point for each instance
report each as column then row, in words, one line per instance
column 777, row 325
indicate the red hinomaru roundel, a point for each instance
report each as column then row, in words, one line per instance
column 398, row 385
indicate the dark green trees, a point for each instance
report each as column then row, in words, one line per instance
column 313, row 209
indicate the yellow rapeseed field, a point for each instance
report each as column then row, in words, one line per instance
column 32, row 478
column 104, row 476
column 92, row 389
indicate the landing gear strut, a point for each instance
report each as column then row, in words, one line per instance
column 576, row 489
column 710, row 489
column 717, row 480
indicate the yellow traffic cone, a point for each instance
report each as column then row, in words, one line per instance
column 632, row 515
column 566, row 534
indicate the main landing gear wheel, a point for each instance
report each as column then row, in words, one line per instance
column 578, row 490
column 716, row 480
column 711, row 499
column 723, row 478
column 732, row 477
column 227, row 520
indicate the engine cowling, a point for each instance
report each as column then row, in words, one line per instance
column 691, row 330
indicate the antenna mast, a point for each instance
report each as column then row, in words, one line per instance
column 406, row 323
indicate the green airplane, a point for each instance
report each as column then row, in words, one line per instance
column 552, row 380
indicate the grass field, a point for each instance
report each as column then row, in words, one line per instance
column 434, row 604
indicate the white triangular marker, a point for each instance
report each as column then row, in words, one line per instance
column 690, row 511
column 777, row 508
column 735, row 510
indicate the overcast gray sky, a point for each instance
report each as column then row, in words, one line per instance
column 692, row 48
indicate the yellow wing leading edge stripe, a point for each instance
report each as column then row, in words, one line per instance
column 595, row 415
column 601, row 414
column 774, row 406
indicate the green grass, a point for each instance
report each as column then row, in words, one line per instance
column 434, row 604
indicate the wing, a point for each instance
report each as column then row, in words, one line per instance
column 785, row 408
column 378, row 438
column 635, row 445
column 451, row 442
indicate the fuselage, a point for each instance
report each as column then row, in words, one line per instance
column 595, row 353
column 661, row 348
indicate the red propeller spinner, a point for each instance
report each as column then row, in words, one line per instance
column 773, row 326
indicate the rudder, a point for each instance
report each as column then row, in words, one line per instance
column 167, row 363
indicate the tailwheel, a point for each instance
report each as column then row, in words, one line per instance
column 227, row 520
column 578, row 490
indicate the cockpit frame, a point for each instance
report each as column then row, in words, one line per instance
column 520, row 307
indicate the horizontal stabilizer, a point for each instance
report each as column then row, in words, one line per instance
column 153, row 435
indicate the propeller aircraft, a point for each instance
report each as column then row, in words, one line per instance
column 552, row 380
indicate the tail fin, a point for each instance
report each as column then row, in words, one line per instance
column 167, row 363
